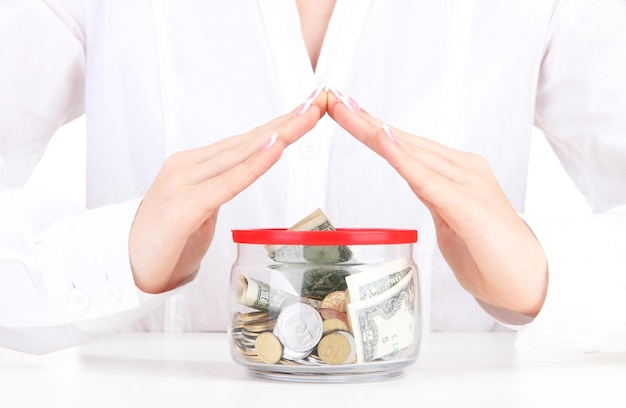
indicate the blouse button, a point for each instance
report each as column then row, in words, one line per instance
column 308, row 150
column 111, row 293
column 79, row 300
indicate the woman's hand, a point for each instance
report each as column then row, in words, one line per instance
column 491, row 250
column 175, row 222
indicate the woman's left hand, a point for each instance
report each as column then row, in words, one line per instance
column 491, row 250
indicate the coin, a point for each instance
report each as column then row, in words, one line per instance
column 337, row 348
column 347, row 296
column 299, row 327
column 245, row 350
column 335, row 300
column 292, row 355
column 268, row 348
column 236, row 326
column 251, row 316
column 248, row 335
column 333, row 325
column 313, row 359
column 252, row 358
column 288, row 362
column 260, row 326
column 333, row 314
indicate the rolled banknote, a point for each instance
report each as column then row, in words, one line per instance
column 321, row 254
column 386, row 324
column 261, row 296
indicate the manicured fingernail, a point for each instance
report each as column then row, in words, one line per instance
column 271, row 142
column 309, row 101
column 389, row 133
column 346, row 100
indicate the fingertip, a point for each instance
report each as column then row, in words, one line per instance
column 341, row 113
column 346, row 100
column 332, row 104
column 310, row 101
column 321, row 102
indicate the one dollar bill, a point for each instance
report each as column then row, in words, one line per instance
column 377, row 281
column 385, row 324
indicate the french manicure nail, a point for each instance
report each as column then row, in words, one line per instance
column 270, row 142
column 346, row 100
column 309, row 101
column 354, row 107
column 389, row 133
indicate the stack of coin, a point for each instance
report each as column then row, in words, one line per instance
column 247, row 327
column 299, row 334
column 337, row 346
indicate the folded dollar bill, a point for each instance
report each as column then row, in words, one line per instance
column 319, row 254
column 382, row 310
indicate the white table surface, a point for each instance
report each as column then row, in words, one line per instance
column 196, row 370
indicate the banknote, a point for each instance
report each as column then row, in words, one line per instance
column 321, row 254
column 376, row 281
column 313, row 280
column 316, row 221
column 386, row 324
column 261, row 296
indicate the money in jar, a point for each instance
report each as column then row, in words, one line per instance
column 350, row 313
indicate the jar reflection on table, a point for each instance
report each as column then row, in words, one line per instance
column 338, row 305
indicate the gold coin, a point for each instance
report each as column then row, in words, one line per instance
column 259, row 327
column 269, row 348
column 236, row 326
column 333, row 314
column 333, row 325
column 251, row 316
column 335, row 300
column 337, row 348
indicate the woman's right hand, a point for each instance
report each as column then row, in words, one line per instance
column 175, row 222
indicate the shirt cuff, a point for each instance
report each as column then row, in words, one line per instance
column 585, row 306
column 147, row 303
column 86, row 263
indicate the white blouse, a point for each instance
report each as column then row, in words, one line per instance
column 155, row 77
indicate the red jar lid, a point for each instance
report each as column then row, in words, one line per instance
column 341, row 236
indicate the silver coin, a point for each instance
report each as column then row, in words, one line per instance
column 299, row 327
column 292, row 355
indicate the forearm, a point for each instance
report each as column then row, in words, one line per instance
column 585, row 306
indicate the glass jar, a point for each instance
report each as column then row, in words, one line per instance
column 338, row 306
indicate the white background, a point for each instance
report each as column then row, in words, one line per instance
column 550, row 191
